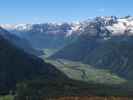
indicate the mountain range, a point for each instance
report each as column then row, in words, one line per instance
column 93, row 56
column 60, row 34
column 102, row 48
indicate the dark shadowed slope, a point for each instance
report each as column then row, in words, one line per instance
column 19, row 42
column 16, row 65
column 101, row 48
column 78, row 49
column 115, row 54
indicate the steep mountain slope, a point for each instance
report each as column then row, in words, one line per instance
column 60, row 34
column 99, row 47
column 16, row 66
column 78, row 49
column 91, row 37
column 19, row 42
column 114, row 54
column 94, row 32
column 45, row 35
column 100, row 44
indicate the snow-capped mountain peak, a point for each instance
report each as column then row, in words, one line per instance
column 122, row 26
column 114, row 25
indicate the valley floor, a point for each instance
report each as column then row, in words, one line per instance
column 84, row 72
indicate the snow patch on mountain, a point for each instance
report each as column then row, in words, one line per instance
column 115, row 25
column 122, row 27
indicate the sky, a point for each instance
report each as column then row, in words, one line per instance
column 41, row 11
